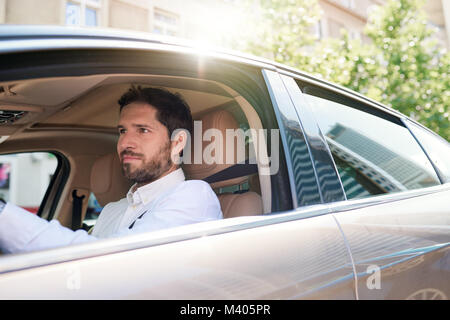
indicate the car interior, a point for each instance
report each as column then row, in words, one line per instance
column 76, row 118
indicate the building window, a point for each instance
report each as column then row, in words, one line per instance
column 165, row 22
column 73, row 14
column 83, row 12
column 355, row 34
column 91, row 17
column 346, row 3
column 317, row 29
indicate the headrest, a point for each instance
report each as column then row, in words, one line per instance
column 107, row 182
column 220, row 120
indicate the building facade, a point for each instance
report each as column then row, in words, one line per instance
column 188, row 18
column 352, row 15
column 173, row 18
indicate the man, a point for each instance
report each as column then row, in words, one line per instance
column 149, row 147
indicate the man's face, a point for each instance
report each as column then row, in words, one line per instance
column 144, row 146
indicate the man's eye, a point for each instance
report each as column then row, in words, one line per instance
column 122, row 131
column 144, row 130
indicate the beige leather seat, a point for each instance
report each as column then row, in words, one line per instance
column 233, row 204
column 107, row 182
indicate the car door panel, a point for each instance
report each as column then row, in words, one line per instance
column 399, row 243
column 401, row 249
column 295, row 259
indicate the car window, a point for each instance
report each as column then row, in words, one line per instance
column 25, row 177
column 373, row 155
column 436, row 147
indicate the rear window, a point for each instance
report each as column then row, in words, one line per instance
column 372, row 154
column 25, row 178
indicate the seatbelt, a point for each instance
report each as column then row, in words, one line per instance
column 132, row 225
column 76, row 209
column 235, row 171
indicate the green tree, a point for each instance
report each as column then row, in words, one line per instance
column 403, row 67
column 279, row 29
column 346, row 62
column 415, row 80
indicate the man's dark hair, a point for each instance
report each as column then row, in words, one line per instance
column 172, row 111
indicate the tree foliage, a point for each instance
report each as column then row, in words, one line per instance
column 281, row 29
column 416, row 69
column 403, row 66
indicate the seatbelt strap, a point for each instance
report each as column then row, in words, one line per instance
column 132, row 225
column 76, row 209
column 235, row 171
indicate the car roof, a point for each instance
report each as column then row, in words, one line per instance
column 31, row 32
column 49, row 37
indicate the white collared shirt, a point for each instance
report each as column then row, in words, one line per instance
column 167, row 202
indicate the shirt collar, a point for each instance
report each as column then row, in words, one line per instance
column 149, row 192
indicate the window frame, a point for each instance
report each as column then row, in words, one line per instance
column 330, row 184
column 413, row 127
column 285, row 114
column 52, row 196
column 242, row 78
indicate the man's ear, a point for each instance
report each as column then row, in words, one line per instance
column 178, row 141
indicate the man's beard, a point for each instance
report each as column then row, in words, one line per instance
column 150, row 170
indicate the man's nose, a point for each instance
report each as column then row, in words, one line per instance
column 126, row 141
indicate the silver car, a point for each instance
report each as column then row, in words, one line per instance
column 334, row 196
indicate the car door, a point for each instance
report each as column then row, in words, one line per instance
column 396, row 218
column 292, row 254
